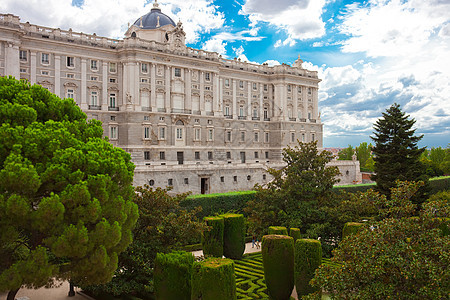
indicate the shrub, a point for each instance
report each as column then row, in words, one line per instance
column 213, row 279
column 294, row 233
column 350, row 228
column 308, row 257
column 172, row 275
column 281, row 230
column 212, row 238
column 278, row 262
column 233, row 235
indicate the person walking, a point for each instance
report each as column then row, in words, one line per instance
column 253, row 241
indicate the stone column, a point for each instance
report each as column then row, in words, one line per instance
column 315, row 100
column 271, row 101
column 249, row 100
column 136, row 84
column 215, row 104
column 12, row 64
column 202, row 93
column 33, row 69
column 105, row 86
column 235, row 108
column 168, row 82
column 305, row 102
column 58, row 75
column 153, row 87
column 220, row 108
column 84, row 104
column 295, row 101
column 261, row 101
column 188, row 89
column 278, row 101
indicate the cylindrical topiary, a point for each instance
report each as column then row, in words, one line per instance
column 212, row 238
column 351, row 228
column 278, row 262
column 308, row 257
column 233, row 236
column 172, row 275
column 294, row 233
column 213, row 279
column 281, row 230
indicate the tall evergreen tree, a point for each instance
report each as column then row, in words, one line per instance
column 396, row 151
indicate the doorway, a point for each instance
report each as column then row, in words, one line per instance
column 204, row 185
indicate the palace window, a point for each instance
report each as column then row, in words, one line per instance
column 23, row 55
column 265, row 88
column 147, row 155
column 112, row 67
column 70, row 61
column 309, row 91
column 227, row 82
column 289, row 88
column 256, row 154
column 254, row 86
column 45, row 58
column 70, row 75
column 179, row 133
column 70, row 93
column 228, row 155
column 292, row 137
column 162, row 155
column 94, row 98
column 112, row 100
column 197, row 134
column 256, row 137
column 210, row 155
column 242, row 136
column 94, row 64
column 228, row 135
column 241, row 84
column 177, row 72
column 113, row 132
column 162, row 133
column 207, row 76
column 144, row 68
column 146, row 133
column 227, row 110
column 210, row 134
column 241, row 111
column 266, row 137
column 112, row 80
column 197, row 155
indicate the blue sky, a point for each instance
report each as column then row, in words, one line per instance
column 369, row 54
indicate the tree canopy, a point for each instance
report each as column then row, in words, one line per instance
column 65, row 192
column 396, row 153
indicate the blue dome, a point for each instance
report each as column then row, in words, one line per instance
column 150, row 20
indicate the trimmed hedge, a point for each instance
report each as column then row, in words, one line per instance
column 295, row 234
column 278, row 230
column 213, row 279
column 308, row 257
column 172, row 275
column 351, row 228
column 278, row 262
column 212, row 239
column 218, row 203
column 233, row 235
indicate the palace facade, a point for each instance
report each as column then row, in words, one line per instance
column 190, row 119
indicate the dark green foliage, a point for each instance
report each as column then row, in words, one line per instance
column 396, row 153
column 278, row 261
column 233, row 235
column 278, row 230
column 218, row 203
column 212, row 237
column 172, row 275
column 295, row 233
column 163, row 226
column 400, row 257
column 65, row 192
column 436, row 161
column 439, row 184
column 308, row 257
column 351, row 228
column 346, row 153
column 213, row 279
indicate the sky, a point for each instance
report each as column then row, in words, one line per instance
column 369, row 54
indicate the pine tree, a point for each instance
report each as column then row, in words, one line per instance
column 396, row 152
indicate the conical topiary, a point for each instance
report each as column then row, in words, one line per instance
column 308, row 257
column 278, row 230
column 233, row 235
column 172, row 275
column 278, row 262
column 212, row 238
column 213, row 279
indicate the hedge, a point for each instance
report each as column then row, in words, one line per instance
column 213, row 279
column 308, row 257
column 294, row 233
column 278, row 262
column 172, row 275
column 278, row 230
column 351, row 228
column 233, row 235
column 212, row 238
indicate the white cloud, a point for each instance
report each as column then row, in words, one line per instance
column 110, row 18
column 215, row 45
column 300, row 19
column 238, row 51
column 289, row 41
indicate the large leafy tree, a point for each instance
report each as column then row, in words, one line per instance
column 396, row 153
column 398, row 257
column 162, row 226
column 296, row 192
column 65, row 192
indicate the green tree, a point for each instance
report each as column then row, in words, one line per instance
column 293, row 197
column 346, row 153
column 398, row 257
column 163, row 226
column 65, row 193
column 396, row 153
column 363, row 153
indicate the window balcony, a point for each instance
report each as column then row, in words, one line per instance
column 113, row 108
column 312, row 120
column 266, row 119
column 293, row 119
column 255, row 118
column 242, row 117
column 228, row 116
column 302, row 120
column 95, row 107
